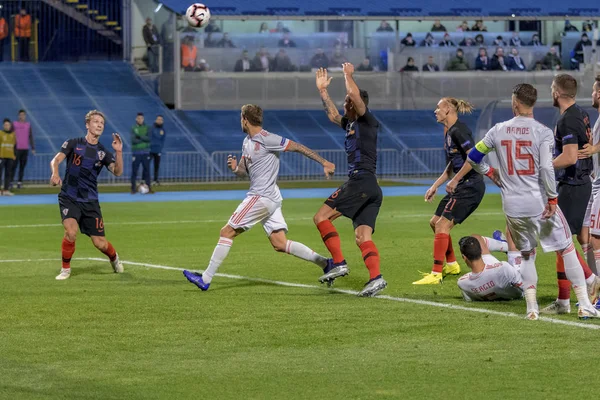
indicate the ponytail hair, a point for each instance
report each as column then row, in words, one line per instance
column 460, row 106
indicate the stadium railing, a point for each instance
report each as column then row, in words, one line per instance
column 193, row 167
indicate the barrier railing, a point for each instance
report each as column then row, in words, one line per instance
column 194, row 167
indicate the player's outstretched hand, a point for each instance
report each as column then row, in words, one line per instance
column 231, row 162
column 322, row 79
column 348, row 68
column 430, row 194
column 55, row 180
column 117, row 143
column 549, row 211
column 587, row 151
column 329, row 169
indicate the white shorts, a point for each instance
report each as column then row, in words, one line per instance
column 255, row 209
column 588, row 210
column 553, row 233
column 594, row 223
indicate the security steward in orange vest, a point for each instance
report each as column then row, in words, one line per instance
column 189, row 53
column 3, row 35
column 23, row 34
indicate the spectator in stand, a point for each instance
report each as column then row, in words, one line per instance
column 408, row 40
column 459, row 62
column 569, row 27
column 410, row 66
column 341, row 41
column 338, row 58
column 479, row 40
column 263, row 61
column 189, row 54
column 515, row 62
column 431, row 66
column 479, row 26
column 22, row 31
column 140, row 147
column 467, row 42
column 203, row 66
column 587, row 26
column 7, row 155
column 209, row 41
column 447, row 41
column 319, row 60
column 24, row 138
column 3, row 35
column 538, row 66
column 152, row 39
column 280, row 28
column 283, row 63
column 464, row 27
column 499, row 41
column 437, row 26
column 551, row 60
column 499, row 62
column 365, row 65
column 585, row 41
column 285, row 41
column 212, row 27
column 225, row 41
column 515, row 40
column 264, row 28
column 482, row 62
column 244, row 64
column 535, row 40
column 385, row 27
column 157, row 143
column 429, row 41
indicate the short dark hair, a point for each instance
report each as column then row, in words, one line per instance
column 22, row 111
column 567, row 84
column 526, row 94
column 364, row 95
column 6, row 120
column 140, row 114
column 159, row 116
column 253, row 114
column 470, row 248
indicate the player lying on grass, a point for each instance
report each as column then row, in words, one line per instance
column 490, row 279
column 78, row 198
column 260, row 162
column 360, row 197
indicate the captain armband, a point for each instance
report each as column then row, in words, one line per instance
column 478, row 152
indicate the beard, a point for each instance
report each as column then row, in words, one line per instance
column 555, row 102
column 596, row 103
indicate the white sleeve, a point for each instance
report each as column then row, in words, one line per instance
column 466, row 296
column 488, row 139
column 511, row 275
column 275, row 142
column 547, row 175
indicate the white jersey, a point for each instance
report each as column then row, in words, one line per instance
column 498, row 281
column 524, row 150
column 596, row 157
column 261, row 154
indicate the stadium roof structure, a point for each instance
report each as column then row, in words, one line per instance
column 378, row 9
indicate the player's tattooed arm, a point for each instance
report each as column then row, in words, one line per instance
column 328, row 167
column 330, row 109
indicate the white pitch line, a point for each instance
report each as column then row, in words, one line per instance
column 222, row 220
column 350, row 292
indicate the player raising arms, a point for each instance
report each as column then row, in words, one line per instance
column 453, row 208
column 360, row 197
column 260, row 162
column 78, row 198
column 529, row 198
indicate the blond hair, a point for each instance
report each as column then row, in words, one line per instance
column 460, row 106
column 90, row 114
column 253, row 114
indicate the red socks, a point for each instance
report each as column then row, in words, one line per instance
column 68, row 248
column 332, row 240
column 440, row 249
column 371, row 257
column 110, row 252
column 450, row 257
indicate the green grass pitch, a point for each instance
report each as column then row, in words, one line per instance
column 149, row 334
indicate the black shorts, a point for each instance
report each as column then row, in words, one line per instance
column 359, row 199
column 458, row 206
column 573, row 200
column 87, row 215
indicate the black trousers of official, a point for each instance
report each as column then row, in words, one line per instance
column 21, row 163
column 6, row 166
column 23, row 43
column 142, row 159
column 156, row 161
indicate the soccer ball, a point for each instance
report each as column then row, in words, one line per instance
column 143, row 188
column 197, row 15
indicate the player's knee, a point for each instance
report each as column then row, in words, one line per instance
column 227, row 232
column 432, row 222
column 318, row 218
column 71, row 235
column 443, row 226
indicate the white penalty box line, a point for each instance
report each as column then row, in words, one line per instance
column 344, row 291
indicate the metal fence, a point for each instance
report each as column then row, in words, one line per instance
column 194, row 167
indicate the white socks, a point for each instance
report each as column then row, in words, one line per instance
column 219, row 254
column 496, row 245
column 575, row 274
column 529, row 274
column 301, row 251
column 514, row 258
